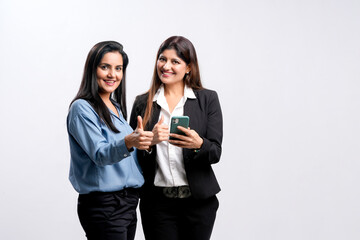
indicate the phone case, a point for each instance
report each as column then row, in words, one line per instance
column 178, row 121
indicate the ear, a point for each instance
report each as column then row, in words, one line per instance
column 188, row 68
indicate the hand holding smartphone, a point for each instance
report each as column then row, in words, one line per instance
column 178, row 121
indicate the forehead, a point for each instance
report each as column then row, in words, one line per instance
column 112, row 58
column 169, row 53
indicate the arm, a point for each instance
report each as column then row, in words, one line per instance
column 88, row 135
column 139, row 138
column 204, row 147
column 84, row 127
column 211, row 147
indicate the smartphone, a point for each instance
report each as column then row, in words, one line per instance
column 178, row 121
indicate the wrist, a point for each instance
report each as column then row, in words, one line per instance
column 201, row 143
column 128, row 142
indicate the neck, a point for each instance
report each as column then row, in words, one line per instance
column 174, row 89
column 105, row 97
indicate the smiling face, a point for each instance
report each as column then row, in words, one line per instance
column 171, row 68
column 109, row 73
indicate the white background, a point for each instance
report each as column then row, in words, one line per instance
column 287, row 73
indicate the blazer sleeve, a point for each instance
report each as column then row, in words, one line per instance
column 210, row 151
column 138, row 109
column 134, row 114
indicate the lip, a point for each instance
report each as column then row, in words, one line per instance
column 166, row 73
column 109, row 82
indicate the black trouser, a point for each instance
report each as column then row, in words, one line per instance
column 177, row 218
column 109, row 216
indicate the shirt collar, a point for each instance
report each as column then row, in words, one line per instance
column 188, row 93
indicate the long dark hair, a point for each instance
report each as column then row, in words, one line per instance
column 89, row 88
column 186, row 51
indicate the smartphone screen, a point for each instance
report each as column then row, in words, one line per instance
column 178, row 121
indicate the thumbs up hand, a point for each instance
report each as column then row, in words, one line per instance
column 139, row 138
column 160, row 131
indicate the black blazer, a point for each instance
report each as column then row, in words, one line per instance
column 206, row 119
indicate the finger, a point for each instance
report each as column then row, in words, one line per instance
column 186, row 131
column 139, row 123
column 164, row 134
column 163, row 127
column 143, row 147
column 177, row 143
column 161, row 120
column 172, row 141
column 145, row 138
column 147, row 133
column 164, row 138
column 145, row 143
column 178, row 136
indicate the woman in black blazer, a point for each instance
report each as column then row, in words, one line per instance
column 178, row 199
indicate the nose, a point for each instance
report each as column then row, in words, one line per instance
column 111, row 73
column 166, row 66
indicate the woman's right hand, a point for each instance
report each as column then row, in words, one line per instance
column 139, row 138
column 160, row 131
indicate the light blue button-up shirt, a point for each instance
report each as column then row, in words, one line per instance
column 100, row 160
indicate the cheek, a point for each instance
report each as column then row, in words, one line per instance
column 158, row 69
column 181, row 70
column 100, row 74
column 120, row 76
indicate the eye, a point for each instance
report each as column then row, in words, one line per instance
column 104, row 67
column 176, row 62
column 118, row 69
column 162, row 59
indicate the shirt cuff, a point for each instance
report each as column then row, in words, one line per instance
column 122, row 149
column 196, row 150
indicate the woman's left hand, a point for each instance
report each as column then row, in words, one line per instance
column 192, row 139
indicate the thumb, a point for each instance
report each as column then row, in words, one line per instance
column 161, row 120
column 139, row 123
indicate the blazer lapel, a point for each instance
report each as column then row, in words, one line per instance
column 193, row 111
column 155, row 116
column 189, row 107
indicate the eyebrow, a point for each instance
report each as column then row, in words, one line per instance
column 109, row 64
column 177, row 58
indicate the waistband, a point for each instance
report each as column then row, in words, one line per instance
column 123, row 192
column 174, row 192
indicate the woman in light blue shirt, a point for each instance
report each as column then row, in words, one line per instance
column 104, row 169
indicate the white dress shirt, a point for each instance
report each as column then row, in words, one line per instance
column 170, row 171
